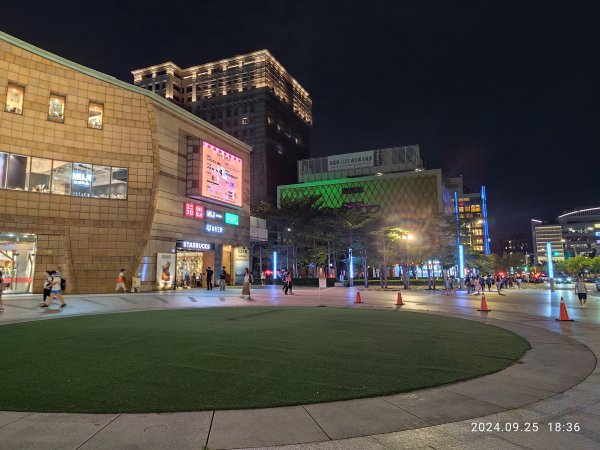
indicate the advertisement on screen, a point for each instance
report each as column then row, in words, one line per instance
column 222, row 175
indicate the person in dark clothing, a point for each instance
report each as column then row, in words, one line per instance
column 47, row 286
column 209, row 278
column 222, row 279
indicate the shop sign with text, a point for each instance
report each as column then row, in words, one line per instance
column 232, row 219
column 212, row 228
column 194, row 245
column 194, row 211
column 215, row 215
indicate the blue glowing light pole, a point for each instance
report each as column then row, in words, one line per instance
column 461, row 258
column 274, row 267
column 461, row 263
column 350, row 268
column 550, row 265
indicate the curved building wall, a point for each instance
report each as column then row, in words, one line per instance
column 91, row 234
column 90, row 238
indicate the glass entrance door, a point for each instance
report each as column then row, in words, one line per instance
column 17, row 262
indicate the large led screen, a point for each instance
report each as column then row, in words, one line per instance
column 222, row 175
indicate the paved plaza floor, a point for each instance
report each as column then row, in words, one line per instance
column 534, row 403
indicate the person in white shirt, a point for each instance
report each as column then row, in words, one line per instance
column 581, row 291
column 55, row 291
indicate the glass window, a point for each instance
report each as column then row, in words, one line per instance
column 56, row 110
column 95, row 115
column 61, row 177
column 82, row 180
column 101, row 181
column 3, row 164
column 40, row 175
column 14, row 99
column 118, row 183
column 16, row 177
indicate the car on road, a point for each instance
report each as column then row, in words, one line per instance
column 563, row 279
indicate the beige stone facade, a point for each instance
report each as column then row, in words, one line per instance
column 93, row 238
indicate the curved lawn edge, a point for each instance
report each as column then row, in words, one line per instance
column 277, row 355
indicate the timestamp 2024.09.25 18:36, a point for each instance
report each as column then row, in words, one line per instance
column 527, row 427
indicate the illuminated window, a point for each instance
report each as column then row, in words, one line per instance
column 56, row 108
column 101, row 181
column 3, row 164
column 18, row 169
column 95, row 115
column 61, row 177
column 82, row 180
column 118, row 183
column 244, row 121
column 40, row 175
column 14, row 99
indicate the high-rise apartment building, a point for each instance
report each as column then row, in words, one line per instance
column 251, row 97
column 515, row 245
column 544, row 235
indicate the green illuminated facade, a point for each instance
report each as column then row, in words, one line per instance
column 409, row 199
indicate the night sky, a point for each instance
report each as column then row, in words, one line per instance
column 505, row 93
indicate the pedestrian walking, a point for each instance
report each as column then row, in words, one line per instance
column 447, row 286
column 47, row 286
column 246, row 285
column 519, row 282
column 488, row 281
column 284, row 279
column 55, row 290
column 581, row 291
column 498, row 283
column 222, row 279
column 121, row 282
column 288, row 282
column 454, row 281
column 209, row 279
column 1, row 289
column 263, row 277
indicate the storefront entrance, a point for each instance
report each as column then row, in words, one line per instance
column 17, row 262
column 192, row 260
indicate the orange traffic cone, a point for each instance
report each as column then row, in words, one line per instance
column 484, row 305
column 357, row 298
column 399, row 301
column 564, row 315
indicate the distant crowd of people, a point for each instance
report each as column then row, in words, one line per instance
column 476, row 284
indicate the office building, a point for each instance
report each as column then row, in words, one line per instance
column 97, row 175
column 251, row 97
column 581, row 232
column 393, row 184
column 544, row 234
column 515, row 245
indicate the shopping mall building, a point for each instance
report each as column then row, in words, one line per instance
column 97, row 175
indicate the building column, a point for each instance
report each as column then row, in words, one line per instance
column 218, row 262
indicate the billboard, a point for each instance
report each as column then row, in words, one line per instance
column 351, row 161
column 221, row 175
column 165, row 270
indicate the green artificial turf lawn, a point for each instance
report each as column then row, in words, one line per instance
column 226, row 358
